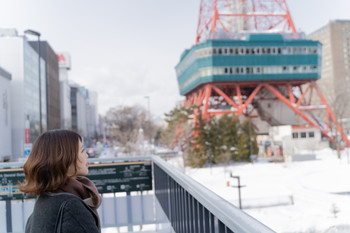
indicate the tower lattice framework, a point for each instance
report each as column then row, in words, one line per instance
column 234, row 19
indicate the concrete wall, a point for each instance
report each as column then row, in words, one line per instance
column 21, row 60
column 5, row 115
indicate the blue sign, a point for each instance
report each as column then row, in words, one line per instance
column 105, row 145
column 27, row 148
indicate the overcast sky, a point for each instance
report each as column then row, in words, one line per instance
column 126, row 50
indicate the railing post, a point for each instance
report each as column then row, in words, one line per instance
column 182, row 210
column 206, row 221
column 129, row 208
column 221, row 227
column 8, row 216
column 190, row 212
column 185, row 210
column 212, row 226
column 200, row 215
column 196, row 219
column 168, row 191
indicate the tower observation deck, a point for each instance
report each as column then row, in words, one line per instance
column 260, row 57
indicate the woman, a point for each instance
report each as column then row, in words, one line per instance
column 67, row 201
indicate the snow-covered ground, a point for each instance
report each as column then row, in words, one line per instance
column 307, row 196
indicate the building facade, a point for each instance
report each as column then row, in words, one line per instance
column 287, row 142
column 5, row 115
column 19, row 58
column 79, row 110
column 93, row 115
column 65, row 99
column 52, row 84
column 335, row 75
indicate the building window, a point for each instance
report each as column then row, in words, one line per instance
column 257, row 70
column 303, row 134
column 311, row 134
column 295, row 135
column 241, row 51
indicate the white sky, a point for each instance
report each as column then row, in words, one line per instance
column 126, row 50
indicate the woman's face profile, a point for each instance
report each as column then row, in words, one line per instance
column 82, row 163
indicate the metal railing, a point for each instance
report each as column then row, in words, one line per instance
column 192, row 208
column 189, row 206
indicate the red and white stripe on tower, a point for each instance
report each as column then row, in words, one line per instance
column 219, row 19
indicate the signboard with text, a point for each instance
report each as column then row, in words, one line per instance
column 64, row 60
column 9, row 179
column 121, row 177
column 108, row 178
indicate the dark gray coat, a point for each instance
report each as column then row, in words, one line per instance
column 77, row 216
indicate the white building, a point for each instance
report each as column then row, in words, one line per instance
column 5, row 115
column 288, row 141
column 66, row 108
column 94, row 122
column 78, row 105
column 21, row 60
column 79, row 109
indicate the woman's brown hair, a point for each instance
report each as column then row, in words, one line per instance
column 52, row 154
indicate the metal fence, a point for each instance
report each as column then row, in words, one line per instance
column 192, row 208
column 189, row 206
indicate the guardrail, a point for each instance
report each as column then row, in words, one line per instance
column 193, row 208
column 189, row 206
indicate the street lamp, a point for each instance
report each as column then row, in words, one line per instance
column 149, row 120
column 35, row 33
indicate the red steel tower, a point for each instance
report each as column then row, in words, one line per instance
column 231, row 18
column 236, row 20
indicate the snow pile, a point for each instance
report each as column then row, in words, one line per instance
column 308, row 196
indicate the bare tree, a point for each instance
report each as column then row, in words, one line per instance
column 124, row 124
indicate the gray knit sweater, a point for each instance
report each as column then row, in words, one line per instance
column 77, row 216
